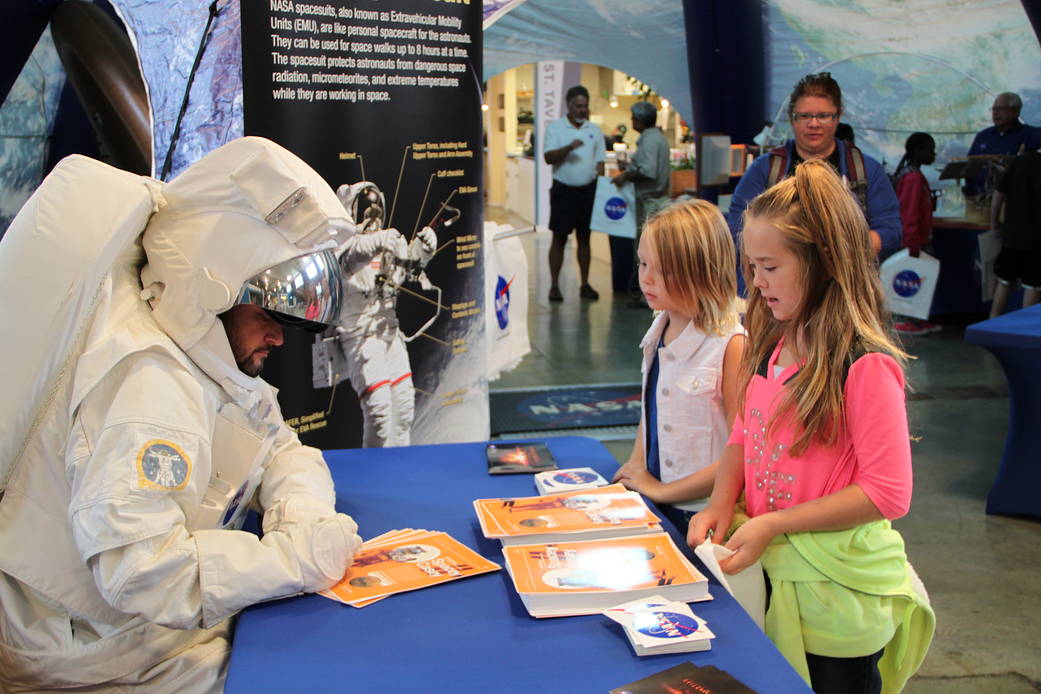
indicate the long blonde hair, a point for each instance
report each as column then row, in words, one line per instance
column 843, row 309
column 696, row 254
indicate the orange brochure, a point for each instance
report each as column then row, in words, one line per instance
column 618, row 563
column 610, row 508
column 404, row 560
column 560, row 579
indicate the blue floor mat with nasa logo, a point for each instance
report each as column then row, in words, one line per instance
column 564, row 407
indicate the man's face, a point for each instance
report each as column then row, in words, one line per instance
column 252, row 334
column 1003, row 113
column 578, row 109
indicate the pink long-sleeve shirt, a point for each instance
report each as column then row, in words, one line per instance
column 873, row 449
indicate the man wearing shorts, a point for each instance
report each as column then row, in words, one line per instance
column 574, row 147
column 1018, row 195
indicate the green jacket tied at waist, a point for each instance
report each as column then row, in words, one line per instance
column 845, row 594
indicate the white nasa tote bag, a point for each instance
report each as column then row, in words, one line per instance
column 909, row 283
column 614, row 209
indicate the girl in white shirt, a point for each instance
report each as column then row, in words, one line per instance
column 691, row 358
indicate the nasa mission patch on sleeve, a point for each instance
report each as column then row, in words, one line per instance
column 162, row 466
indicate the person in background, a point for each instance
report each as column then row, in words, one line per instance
column 916, row 213
column 814, row 109
column 691, row 358
column 1009, row 136
column 616, row 137
column 820, row 450
column 648, row 169
column 574, row 147
column 1018, row 200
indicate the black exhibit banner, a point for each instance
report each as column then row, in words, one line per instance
column 383, row 99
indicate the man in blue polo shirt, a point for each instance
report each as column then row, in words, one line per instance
column 1007, row 136
column 574, row 147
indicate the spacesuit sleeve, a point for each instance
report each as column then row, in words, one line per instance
column 296, row 472
column 361, row 248
column 138, row 465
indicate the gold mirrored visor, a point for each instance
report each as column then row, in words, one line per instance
column 304, row 292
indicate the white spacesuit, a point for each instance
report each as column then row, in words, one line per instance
column 121, row 557
column 374, row 263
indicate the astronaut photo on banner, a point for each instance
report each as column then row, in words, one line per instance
column 368, row 347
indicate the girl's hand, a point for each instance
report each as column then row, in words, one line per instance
column 627, row 469
column 712, row 522
column 638, row 479
column 748, row 542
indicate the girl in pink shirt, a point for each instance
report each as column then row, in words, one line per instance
column 821, row 441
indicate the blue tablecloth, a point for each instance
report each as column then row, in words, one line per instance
column 1015, row 339
column 471, row 635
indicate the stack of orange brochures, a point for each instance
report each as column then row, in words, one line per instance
column 610, row 511
column 568, row 578
column 403, row 560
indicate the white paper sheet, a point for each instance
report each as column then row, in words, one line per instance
column 748, row 587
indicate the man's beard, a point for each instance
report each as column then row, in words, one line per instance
column 250, row 365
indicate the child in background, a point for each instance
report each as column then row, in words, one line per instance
column 820, row 449
column 916, row 212
column 691, row 358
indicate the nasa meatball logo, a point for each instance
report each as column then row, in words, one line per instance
column 616, row 207
column 907, row 283
column 574, row 477
column 502, row 302
column 665, row 625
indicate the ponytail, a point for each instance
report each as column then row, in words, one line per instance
column 843, row 309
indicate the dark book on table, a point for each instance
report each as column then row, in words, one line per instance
column 686, row 678
column 514, row 458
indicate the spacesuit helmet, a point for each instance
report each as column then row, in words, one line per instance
column 303, row 292
column 367, row 196
column 248, row 223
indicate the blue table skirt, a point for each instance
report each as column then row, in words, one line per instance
column 471, row 635
column 1015, row 339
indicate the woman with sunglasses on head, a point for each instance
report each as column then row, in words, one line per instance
column 815, row 109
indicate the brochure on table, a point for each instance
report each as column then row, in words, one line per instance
column 604, row 512
column 404, row 560
column 586, row 577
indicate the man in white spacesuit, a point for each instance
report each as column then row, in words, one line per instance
column 374, row 263
column 121, row 557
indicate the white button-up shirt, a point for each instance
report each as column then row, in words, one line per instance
column 692, row 427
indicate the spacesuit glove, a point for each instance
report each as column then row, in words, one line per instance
column 325, row 549
column 325, row 541
column 421, row 248
column 427, row 238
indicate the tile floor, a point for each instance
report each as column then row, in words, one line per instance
column 982, row 571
